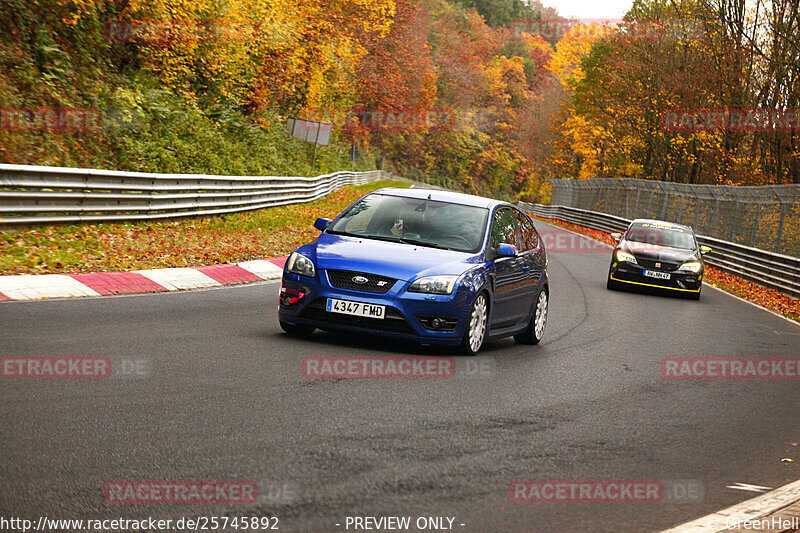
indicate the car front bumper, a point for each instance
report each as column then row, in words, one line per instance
column 632, row 274
column 405, row 317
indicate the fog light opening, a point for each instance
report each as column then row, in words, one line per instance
column 290, row 296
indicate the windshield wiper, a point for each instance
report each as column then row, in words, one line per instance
column 422, row 243
column 416, row 242
column 345, row 233
column 403, row 240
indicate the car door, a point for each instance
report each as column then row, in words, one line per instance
column 507, row 272
column 531, row 260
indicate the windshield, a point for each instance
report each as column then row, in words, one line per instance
column 662, row 235
column 414, row 221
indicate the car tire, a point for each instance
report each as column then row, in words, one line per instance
column 297, row 330
column 535, row 330
column 477, row 324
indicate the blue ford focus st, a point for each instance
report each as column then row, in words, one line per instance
column 435, row 267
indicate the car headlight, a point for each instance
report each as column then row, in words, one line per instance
column 300, row 264
column 625, row 256
column 692, row 266
column 434, row 284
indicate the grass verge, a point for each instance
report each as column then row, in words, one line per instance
column 229, row 238
column 767, row 298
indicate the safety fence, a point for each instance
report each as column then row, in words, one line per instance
column 765, row 217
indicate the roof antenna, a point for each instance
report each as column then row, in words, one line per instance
column 429, row 196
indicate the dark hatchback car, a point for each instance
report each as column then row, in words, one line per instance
column 435, row 267
column 658, row 255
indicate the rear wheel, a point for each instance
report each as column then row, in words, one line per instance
column 535, row 331
column 297, row 330
column 476, row 327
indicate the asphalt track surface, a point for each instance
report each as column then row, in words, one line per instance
column 223, row 398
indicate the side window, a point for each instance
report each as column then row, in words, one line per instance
column 528, row 237
column 534, row 234
column 503, row 230
column 359, row 216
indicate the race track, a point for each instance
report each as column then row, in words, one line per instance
column 222, row 397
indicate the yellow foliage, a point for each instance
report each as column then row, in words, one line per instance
column 570, row 50
column 589, row 141
column 297, row 52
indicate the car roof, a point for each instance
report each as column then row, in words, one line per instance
column 661, row 222
column 442, row 196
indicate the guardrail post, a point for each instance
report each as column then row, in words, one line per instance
column 150, row 196
column 780, row 229
column 755, row 226
column 714, row 217
column 733, row 222
column 83, row 194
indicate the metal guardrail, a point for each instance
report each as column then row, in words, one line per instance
column 768, row 269
column 51, row 195
column 47, row 195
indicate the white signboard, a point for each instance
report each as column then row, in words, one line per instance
column 310, row 131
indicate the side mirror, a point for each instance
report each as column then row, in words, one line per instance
column 322, row 223
column 506, row 250
column 616, row 236
column 704, row 250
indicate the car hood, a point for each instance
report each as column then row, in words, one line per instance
column 394, row 260
column 654, row 252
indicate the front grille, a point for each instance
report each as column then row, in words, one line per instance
column 343, row 279
column 678, row 280
column 393, row 321
column 650, row 265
